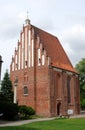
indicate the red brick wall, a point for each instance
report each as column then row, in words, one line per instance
column 59, row 94
column 47, row 88
column 42, row 91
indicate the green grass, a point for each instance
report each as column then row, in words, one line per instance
column 57, row 124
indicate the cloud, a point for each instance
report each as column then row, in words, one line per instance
column 73, row 40
column 50, row 15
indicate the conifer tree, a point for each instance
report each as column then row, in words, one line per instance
column 6, row 87
column 80, row 67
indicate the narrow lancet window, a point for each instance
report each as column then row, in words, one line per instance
column 68, row 89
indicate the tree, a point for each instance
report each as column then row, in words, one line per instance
column 6, row 87
column 80, row 67
column 8, row 109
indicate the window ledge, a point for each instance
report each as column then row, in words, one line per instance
column 25, row 94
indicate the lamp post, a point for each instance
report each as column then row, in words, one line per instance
column 0, row 70
column 15, row 89
column 0, row 66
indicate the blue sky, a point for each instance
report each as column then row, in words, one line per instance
column 63, row 18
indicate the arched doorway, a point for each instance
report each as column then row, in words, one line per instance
column 58, row 108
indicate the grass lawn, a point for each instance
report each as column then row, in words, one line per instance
column 57, row 124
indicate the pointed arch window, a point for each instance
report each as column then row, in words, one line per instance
column 68, row 89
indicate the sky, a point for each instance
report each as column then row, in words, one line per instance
column 63, row 18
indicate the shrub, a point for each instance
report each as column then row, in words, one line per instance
column 26, row 110
column 31, row 111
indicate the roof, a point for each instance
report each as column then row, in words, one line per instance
column 54, row 50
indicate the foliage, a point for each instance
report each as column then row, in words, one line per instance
column 26, row 110
column 9, row 110
column 7, row 107
column 80, row 67
column 3, row 97
column 6, row 87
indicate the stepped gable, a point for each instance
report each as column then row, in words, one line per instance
column 54, row 50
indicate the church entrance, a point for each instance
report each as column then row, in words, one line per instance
column 58, row 108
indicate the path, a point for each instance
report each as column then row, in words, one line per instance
column 17, row 123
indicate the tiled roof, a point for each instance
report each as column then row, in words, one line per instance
column 54, row 50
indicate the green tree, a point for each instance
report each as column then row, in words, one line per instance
column 6, row 87
column 80, row 67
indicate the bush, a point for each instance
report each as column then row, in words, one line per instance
column 26, row 110
column 9, row 110
column 31, row 111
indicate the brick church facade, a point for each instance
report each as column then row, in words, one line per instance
column 47, row 80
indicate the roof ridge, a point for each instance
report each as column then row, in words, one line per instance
column 44, row 31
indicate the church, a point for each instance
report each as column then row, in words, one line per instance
column 42, row 74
